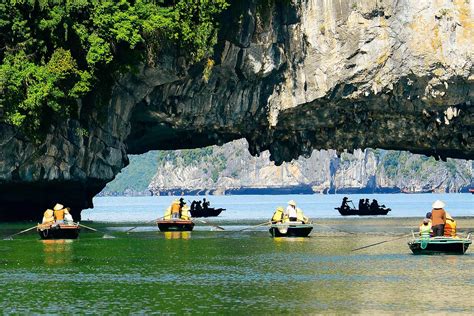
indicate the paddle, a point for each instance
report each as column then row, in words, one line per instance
column 207, row 223
column 381, row 242
column 128, row 231
column 262, row 224
column 95, row 230
column 23, row 231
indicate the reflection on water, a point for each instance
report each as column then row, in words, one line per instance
column 57, row 251
column 177, row 235
column 232, row 273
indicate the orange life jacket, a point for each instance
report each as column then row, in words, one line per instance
column 450, row 228
column 175, row 208
column 59, row 215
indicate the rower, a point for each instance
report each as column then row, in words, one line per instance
column 291, row 211
column 48, row 217
column 278, row 215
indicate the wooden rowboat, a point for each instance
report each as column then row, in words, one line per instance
column 206, row 212
column 175, row 225
column 290, row 230
column 438, row 245
column 58, row 231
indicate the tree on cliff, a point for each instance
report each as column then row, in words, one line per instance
column 54, row 53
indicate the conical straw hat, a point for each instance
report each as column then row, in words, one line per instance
column 58, row 207
column 438, row 204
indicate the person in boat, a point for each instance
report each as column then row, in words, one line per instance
column 367, row 204
column 67, row 216
column 48, row 217
column 425, row 228
column 438, row 218
column 185, row 214
column 198, row 206
column 175, row 209
column 58, row 213
column 205, row 204
column 361, row 205
column 278, row 215
column 193, row 205
column 450, row 226
column 181, row 202
column 345, row 205
column 374, row 206
column 291, row 211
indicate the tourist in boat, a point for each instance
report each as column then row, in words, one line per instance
column 68, row 217
column 205, row 204
column 175, row 209
column 438, row 218
column 185, row 214
column 450, row 226
column 48, row 217
column 361, row 205
column 291, row 211
column 278, row 215
column 198, row 206
column 59, row 213
column 345, row 205
column 374, row 206
column 425, row 228
column 181, row 202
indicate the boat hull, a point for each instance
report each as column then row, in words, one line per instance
column 439, row 245
column 210, row 212
column 175, row 225
column 353, row 212
column 290, row 230
column 61, row 231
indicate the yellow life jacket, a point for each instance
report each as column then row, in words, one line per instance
column 300, row 216
column 48, row 217
column 167, row 213
column 175, row 208
column 185, row 213
column 278, row 215
column 425, row 230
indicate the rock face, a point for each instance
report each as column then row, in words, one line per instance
column 290, row 77
column 230, row 169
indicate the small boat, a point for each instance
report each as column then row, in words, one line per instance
column 58, row 231
column 368, row 212
column 290, row 229
column 175, row 225
column 209, row 212
column 471, row 190
column 437, row 245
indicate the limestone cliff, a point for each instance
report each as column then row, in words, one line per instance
column 230, row 169
column 290, row 77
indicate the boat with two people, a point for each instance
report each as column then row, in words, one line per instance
column 365, row 208
column 203, row 209
column 438, row 234
column 177, row 218
column 290, row 222
column 58, row 224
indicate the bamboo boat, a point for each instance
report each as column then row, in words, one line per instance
column 439, row 245
column 175, row 225
column 290, row 229
column 58, row 231
column 206, row 212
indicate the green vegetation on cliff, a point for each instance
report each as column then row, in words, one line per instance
column 56, row 52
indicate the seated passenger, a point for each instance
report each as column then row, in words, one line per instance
column 185, row 214
column 450, row 226
column 175, row 209
column 59, row 213
column 300, row 216
column 374, row 206
column 291, row 211
column 68, row 217
column 425, row 228
column 278, row 215
column 48, row 217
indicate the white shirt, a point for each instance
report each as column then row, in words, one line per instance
column 291, row 211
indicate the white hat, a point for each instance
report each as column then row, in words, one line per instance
column 58, row 207
column 438, row 204
column 292, row 202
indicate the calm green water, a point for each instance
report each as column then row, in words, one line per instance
column 230, row 273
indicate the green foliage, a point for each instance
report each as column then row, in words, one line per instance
column 54, row 52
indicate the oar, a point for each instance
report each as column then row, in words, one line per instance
column 23, row 231
column 128, row 231
column 95, row 230
column 255, row 226
column 207, row 223
column 380, row 242
column 333, row 228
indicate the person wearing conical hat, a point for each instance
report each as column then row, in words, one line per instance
column 438, row 218
column 48, row 217
column 59, row 213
